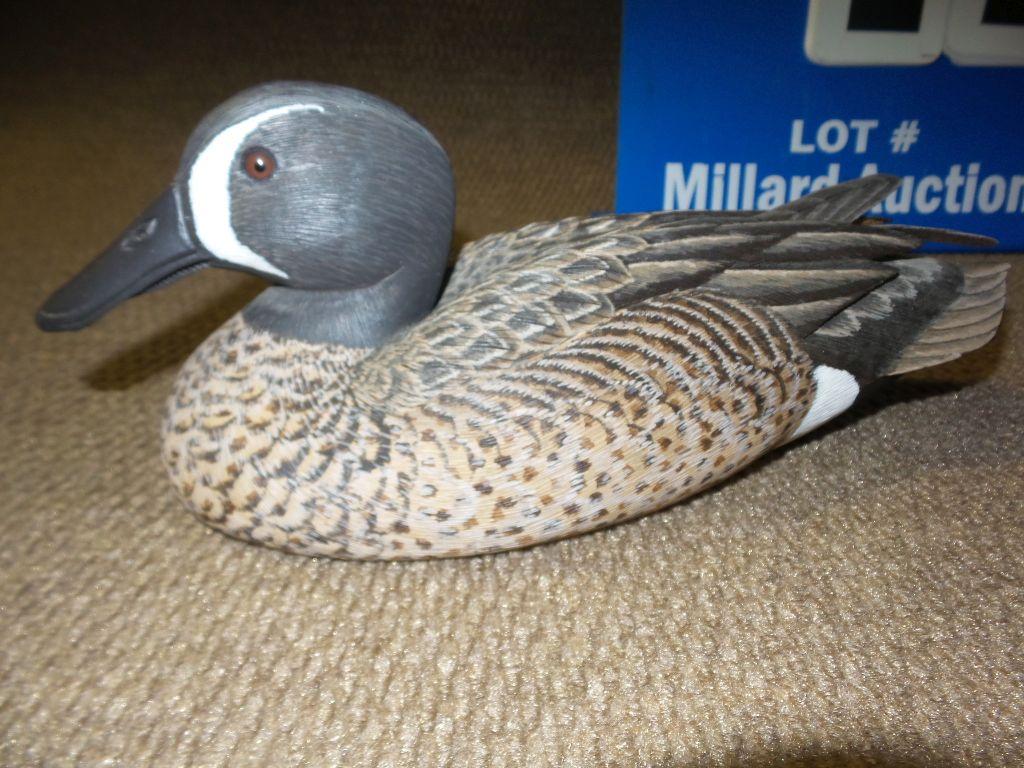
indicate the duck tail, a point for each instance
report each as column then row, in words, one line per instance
column 924, row 312
column 932, row 312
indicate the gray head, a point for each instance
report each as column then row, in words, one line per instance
column 338, row 198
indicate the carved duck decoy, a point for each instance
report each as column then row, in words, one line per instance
column 573, row 374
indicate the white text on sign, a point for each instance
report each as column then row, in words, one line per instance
column 832, row 136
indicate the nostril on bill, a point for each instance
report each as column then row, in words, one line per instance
column 139, row 234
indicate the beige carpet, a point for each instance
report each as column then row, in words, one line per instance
column 856, row 600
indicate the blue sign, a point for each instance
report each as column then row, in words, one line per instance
column 723, row 108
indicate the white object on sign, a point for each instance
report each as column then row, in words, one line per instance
column 986, row 33
column 862, row 32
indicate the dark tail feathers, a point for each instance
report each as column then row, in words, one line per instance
column 931, row 313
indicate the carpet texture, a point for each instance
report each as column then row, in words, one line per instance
column 854, row 600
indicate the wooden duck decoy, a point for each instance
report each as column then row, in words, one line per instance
column 573, row 374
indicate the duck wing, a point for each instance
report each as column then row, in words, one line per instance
column 523, row 295
column 480, row 259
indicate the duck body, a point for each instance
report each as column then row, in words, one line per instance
column 335, row 452
column 573, row 374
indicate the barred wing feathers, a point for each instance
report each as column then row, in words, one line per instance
column 519, row 295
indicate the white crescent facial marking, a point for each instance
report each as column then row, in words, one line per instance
column 209, row 192
column 834, row 392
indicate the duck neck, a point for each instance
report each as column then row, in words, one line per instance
column 351, row 317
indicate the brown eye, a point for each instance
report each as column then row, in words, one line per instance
column 259, row 163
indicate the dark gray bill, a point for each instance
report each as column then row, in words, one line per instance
column 154, row 251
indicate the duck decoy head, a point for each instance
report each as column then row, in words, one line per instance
column 331, row 194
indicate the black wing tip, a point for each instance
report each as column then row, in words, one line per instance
column 841, row 203
column 944, row 236
column 888, row 180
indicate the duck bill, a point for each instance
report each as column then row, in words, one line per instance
column 154, row 251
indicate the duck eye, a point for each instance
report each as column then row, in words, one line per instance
column 259, row 163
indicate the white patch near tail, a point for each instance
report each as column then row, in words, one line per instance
column 834, row 392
